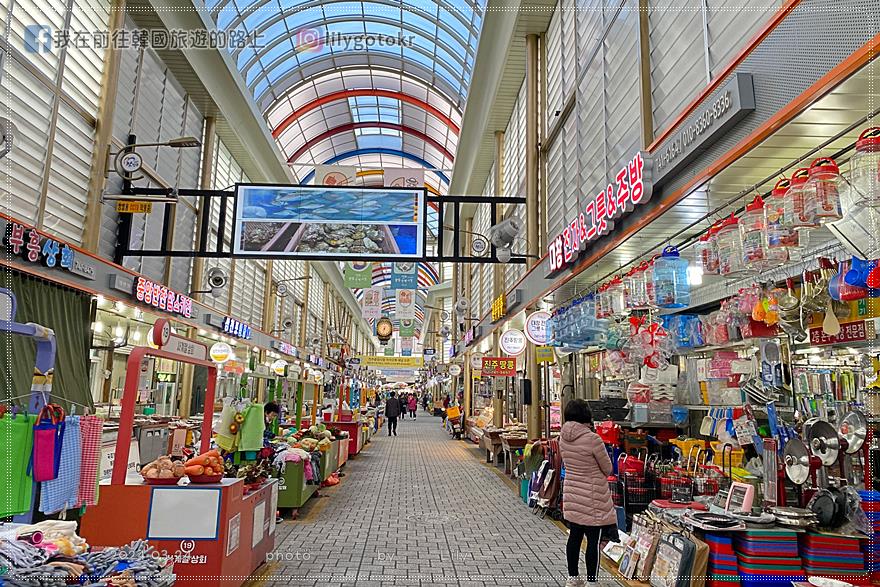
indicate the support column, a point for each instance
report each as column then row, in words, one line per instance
column 646, row 101
column 498, row 394
column 534, row 419
column 268, row 317
column 469, row 293
column 103, row 131
column 198, row 266
column 456, row 269
column 542, row 137
column 304, row 319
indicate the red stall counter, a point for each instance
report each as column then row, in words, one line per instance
column 215, row 533
column 355, row 435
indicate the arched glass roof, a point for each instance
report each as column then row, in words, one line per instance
column 340, row 79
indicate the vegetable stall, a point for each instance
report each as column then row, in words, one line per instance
column 217, row 530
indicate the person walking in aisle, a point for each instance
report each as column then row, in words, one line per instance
column 425, row 401
column 392, row 411
column 588, row 508
column 413, row 405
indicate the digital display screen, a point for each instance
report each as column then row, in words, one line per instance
column 329, row 222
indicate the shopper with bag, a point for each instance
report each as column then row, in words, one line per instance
column 413, row 405
column 587, row 505
column 392, row 411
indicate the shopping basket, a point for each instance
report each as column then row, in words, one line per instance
column 706, row 477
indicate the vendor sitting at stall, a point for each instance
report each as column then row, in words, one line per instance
column 270, row 412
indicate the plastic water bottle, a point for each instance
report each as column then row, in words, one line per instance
column 670, row 280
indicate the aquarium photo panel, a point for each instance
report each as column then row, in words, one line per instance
column 317, row 221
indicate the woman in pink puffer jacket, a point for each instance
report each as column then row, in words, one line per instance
column 586, row 498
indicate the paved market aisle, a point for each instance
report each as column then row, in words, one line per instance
column 418, row 509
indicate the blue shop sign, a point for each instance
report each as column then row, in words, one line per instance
column 235, row 328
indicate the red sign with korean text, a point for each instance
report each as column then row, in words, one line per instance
column 159, row 296
column 632, row 185
column 849, row 332
column 499, row 367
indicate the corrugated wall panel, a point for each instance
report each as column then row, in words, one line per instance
column 84, row 65
column 27, row 13
column 21, row 170
column 678, row 68
column 621, row 54
column 67, row 192
column 591, row 133
column 732, row 23
column 556, row 210
column 555, row 100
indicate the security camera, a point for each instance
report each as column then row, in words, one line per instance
column 445, row 331
column 462, row 306
column 503, row 254
column 217, row 280
column 287, row 324
column 282, row 290
column 315, row 341
column 503, row 234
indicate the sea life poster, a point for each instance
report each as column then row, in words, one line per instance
column 325, row 222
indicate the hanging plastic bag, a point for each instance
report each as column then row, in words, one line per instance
column 48, row 439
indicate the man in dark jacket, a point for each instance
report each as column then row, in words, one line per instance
column 392, row 411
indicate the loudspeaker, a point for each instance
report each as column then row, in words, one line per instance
column 525, row 392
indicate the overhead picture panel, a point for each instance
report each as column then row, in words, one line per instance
column 329, row 222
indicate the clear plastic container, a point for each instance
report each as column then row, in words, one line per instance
column 730, row 249
column 671, row 286
column 823, row 190
column 616, row 296
column 706, row 252
column 648, row 279
column 865, row 167
column 779, row 235
column 637, row 293
column 754, row 235
column 798, row 212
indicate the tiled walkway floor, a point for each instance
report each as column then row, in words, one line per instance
column 419, row 509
